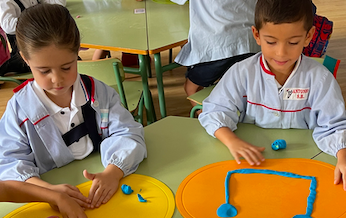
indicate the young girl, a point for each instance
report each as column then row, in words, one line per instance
column 61, row 116
column 19, row 192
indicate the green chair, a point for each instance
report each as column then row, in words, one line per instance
column 110, row 71
column 330, row 63
column 19, row 78
column 198, row 98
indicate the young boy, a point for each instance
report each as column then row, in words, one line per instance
column 279, row 87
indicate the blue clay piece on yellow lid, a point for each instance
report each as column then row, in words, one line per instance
column 126, row 189
column 140, row 198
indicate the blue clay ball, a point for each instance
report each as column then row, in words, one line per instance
column 279, row 144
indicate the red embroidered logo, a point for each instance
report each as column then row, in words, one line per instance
column 295, row 93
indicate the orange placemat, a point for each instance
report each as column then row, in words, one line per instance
column 259, row 195
column 160, row 202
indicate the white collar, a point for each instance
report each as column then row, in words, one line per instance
column 290, row 76
column 78, row 97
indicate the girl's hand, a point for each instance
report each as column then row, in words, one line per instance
column 340, row 168
column 104, row 184
column 74, row 193
column 68, row 207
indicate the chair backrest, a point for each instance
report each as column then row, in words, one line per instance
column 330, row 63
column 110, row 71
column 102, row 70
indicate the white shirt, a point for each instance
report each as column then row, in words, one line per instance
column 67, row 118
column 311, row 99
column 219, row 29
column 10, row 11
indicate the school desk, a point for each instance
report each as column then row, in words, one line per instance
column 168, row 27
column 177, row 146
column 114, row 25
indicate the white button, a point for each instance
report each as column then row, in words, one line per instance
column 96, row 103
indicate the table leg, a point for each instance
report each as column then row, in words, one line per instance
column 148, row 101
column 147, row 59
column 170, row 55
column 159, row 73
column 160, row 91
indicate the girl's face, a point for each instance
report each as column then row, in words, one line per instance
column 55, row 70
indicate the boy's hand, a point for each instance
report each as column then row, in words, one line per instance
column 340, row 168
column 239, row 148
column 104, row 184
column 252, row 154
column 74, row 193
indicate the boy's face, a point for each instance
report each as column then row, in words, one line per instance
column 54, row 70
column 282, row 44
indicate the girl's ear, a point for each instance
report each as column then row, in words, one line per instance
column 309, row 36
column 26, row 61
column 256, row 35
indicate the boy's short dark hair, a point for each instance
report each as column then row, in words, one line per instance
column 283, row 11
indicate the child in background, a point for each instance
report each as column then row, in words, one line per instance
column 10, row 10
column 20, row 192
column 61, row 116
column 219, row 36
column 279, row 88
column 101, row 54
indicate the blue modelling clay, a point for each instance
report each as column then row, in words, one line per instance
column 126, row 189
column 228, row 210
column 140, row 198
column 279, row 144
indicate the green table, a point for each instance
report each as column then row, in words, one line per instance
column 326, row 158
column 177, row 146
column 168, row 27
column 113, row 25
